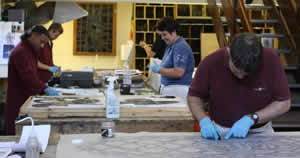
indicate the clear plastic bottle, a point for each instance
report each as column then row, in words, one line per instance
column 126, row 77
column 32, row 146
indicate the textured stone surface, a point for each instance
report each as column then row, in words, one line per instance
column 178, row 145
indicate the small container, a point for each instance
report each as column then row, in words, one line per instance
column 125, row 89
column 32, row 146
column 98, row 80
column 107, row 129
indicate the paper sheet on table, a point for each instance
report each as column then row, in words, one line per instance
column 5, row 148
column 4, row 152
column 42, row 132
column 7, row 144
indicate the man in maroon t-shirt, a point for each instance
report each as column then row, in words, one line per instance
column 245, row 86
column 45, row 63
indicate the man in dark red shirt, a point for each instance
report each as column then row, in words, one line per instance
column 245, row 86
column 45, row 63
column 23, row 80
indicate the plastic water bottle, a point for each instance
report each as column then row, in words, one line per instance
column 32, row 146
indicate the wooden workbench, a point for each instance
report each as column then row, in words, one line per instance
column 175, row 117
column 132, row 106
column 130, row 125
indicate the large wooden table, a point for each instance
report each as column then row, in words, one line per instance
column 66, row 120
column 130, row 125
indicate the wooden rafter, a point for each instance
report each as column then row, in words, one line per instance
column 244, row 16
column 229, row 13
column 218, row 25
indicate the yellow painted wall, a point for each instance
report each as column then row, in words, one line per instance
column 209, row 44
column 63, row 45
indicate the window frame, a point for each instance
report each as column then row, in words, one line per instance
column 84, row 53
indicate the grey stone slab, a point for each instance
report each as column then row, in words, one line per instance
column 178, row 145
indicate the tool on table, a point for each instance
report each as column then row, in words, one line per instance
column 57, row 74
column 164, row 96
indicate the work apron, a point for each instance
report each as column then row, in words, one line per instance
column 264, row 130
column 175, row 90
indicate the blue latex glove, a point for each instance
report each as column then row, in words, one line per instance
column 54, row 69
column 155, row 67
column 50, row 91
column 208, row 129
column 240, row 128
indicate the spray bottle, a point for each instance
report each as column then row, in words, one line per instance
column 112, row 102
column 32, row 147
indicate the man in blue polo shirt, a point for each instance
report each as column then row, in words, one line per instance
column 178, row 62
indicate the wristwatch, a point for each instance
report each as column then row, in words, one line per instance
column 255, row 117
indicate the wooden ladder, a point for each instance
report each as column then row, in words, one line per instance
column 231, row 8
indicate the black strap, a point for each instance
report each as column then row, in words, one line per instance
column 258, row 125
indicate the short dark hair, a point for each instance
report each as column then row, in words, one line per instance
column 37, row 29
column 56, row 27
column 168, row 24
column 246, row 52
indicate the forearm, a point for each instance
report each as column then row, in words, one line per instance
column 149, row 51
column 42, row 66
column 175, row 73
column 31, row 80
column 196, row 107
column 273, row 110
